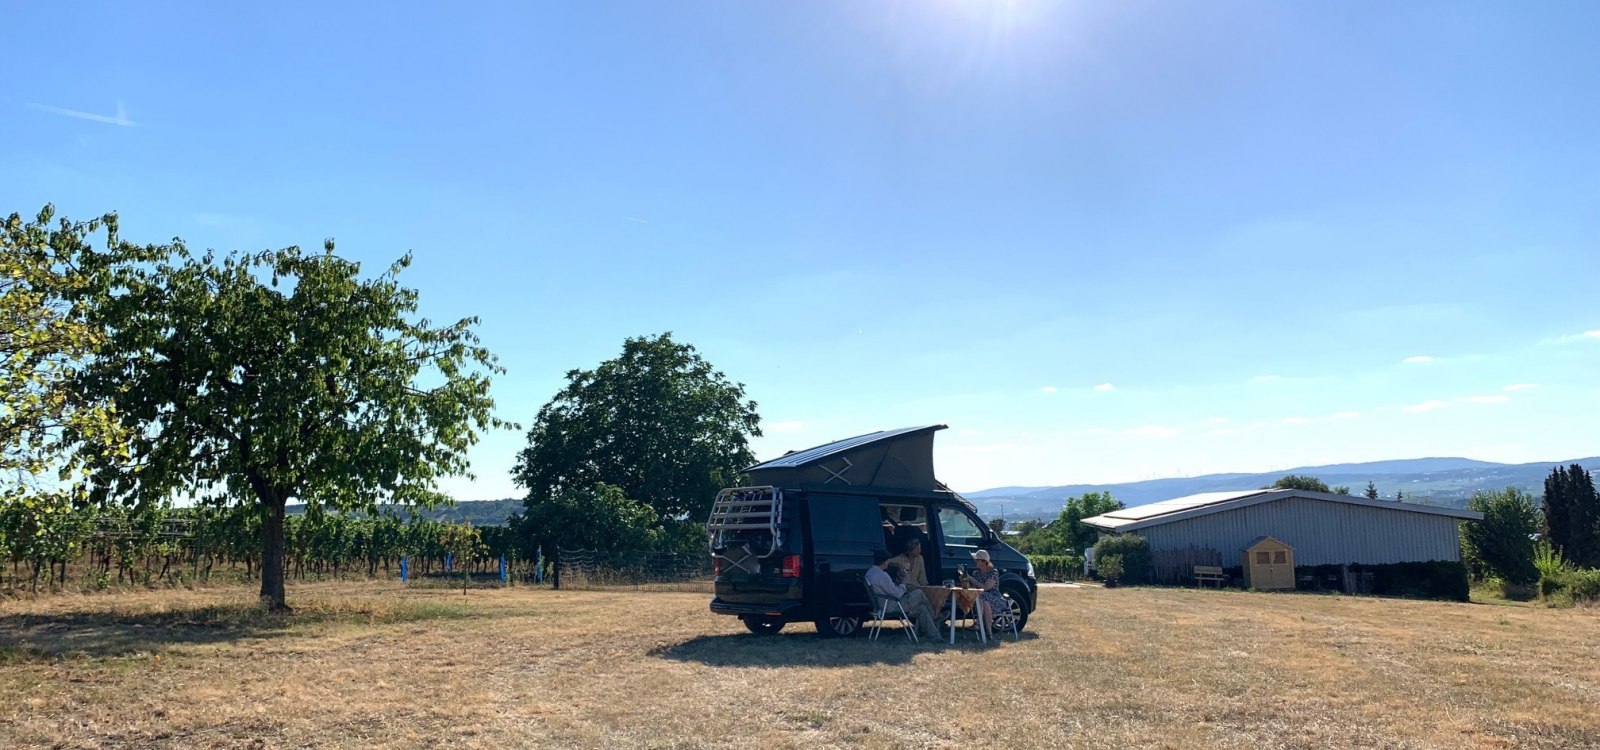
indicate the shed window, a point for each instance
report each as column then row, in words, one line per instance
column 1280, row 557
column 1263, row 558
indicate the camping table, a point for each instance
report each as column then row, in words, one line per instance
column 937, row 595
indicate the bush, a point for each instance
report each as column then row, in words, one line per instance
column 1057, row 567
column 1501, row 544
column 1110, row 568
column 1134, row 551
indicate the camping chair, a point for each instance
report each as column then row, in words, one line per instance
column 880, row 610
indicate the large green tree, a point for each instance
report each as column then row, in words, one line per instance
column 283, row 375
column 1572, row 515
column 658, row 423
column 1502, row 543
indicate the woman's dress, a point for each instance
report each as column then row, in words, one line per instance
column 990, row 583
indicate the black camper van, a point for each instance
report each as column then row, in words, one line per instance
column 795, row 544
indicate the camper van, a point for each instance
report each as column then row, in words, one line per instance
column 795, row 544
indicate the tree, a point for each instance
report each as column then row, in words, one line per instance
column 329, row 392
column 600, row 518
column 46, row 337
column 1303, row 482
column 658, row 423
column 1572, row 515
column 1372, row 490
column 997, row 525
column 1502, row 543
column 1068, row 534
column 1342, row 489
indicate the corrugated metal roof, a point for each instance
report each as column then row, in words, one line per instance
column 801, row 458
column 1206, row 503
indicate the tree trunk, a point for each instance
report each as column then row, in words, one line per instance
column 272, row 562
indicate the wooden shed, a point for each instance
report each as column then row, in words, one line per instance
column 1268, row 564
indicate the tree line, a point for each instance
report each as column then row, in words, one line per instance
column 1550, row 548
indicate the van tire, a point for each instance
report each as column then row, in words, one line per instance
column 1017, row 596
column 846, row 626
column 763, row 624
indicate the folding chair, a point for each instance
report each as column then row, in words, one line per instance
column 880, row 610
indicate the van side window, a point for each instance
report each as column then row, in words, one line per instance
column 959, row 528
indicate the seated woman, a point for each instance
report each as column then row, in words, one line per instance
column 988, row 579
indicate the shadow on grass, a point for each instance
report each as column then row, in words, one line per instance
column 110, row 633
column 802, row 649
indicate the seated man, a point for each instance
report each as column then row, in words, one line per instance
column 914, row 602
column 913, row 569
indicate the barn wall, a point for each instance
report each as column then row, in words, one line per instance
column 1321, row 533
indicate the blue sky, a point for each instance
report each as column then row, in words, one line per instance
column 1101, row 241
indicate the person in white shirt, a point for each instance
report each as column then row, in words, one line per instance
column 914, row 601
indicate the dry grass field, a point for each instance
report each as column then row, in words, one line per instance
column 373, row 665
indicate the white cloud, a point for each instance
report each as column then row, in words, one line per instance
column 1592, row 335
column 1429, row 405
column 1521, row 387
column 1219, row 433
column 1346, row 414
column 1418, row 359
column 1266, row 378
column 1105, row 387
column 1294, row 420
column 1048, row 389
column 638, row 220
column 1151, row 431
column 120, row 118
column 1219, row 420
column 1497, row 399
column 787, row 425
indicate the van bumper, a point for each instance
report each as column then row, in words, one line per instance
column 770, row 609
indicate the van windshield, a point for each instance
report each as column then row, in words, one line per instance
column 958, row 528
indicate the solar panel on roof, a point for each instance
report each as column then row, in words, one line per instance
column 1141, row 512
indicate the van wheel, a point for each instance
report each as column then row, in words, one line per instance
column 838, row 627
column 762, row 624
column 1015, row 596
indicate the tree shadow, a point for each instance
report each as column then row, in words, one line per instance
column 802, row 649
column 34, row 637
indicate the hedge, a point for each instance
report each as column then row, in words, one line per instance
column 1134, row 551
column 1437, row 579
column 1057, row 567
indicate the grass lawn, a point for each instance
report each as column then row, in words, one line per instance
column 374, row 665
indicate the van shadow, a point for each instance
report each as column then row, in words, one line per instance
column 802, row 649
column 33, row 637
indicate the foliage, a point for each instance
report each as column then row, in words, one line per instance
column 1303, row 482
column 1068, row 534
column 1110, row 568
column 1501, row 544
column 260, row 378
column 1371, row 492
column 658, row 423
column 1057, row 567
column 1342, row 489
column 46, row 337
column 1572, row 515
column 1132, row 550
column 997, row 525
column 601, row 519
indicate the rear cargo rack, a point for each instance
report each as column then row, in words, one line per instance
column 746, row 523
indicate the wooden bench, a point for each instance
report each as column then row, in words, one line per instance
column 1204, row 574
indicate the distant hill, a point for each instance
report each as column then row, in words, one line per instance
column 479, row 512
column 1437, row 481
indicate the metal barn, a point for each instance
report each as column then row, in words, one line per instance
column 1322, row 528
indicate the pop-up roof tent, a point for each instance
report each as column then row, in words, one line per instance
column 890, row 459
